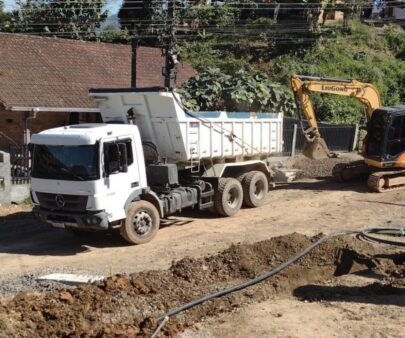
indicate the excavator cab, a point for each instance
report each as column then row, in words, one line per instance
column 386, row 137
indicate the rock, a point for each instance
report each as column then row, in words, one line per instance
column 122, row 282
column 66, row 297
column 139, row 285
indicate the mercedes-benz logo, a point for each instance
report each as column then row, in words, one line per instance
column 60, row 201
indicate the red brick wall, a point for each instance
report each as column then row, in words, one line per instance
column 45, row 120
column 12, row 124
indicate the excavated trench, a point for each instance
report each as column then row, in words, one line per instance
column 126, row 306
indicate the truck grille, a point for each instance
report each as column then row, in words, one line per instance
column 62, row 202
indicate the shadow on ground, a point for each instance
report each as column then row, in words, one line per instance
column 325, row 184
column 20, row 233
column 375, row 293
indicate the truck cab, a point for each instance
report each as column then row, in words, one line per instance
column 82, row 175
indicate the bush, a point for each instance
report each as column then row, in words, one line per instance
column 242, row 90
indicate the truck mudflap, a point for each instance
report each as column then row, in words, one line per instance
column 90, row 220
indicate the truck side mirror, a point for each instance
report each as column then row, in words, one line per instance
column 123, row 157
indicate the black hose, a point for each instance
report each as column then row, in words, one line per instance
column 253, row 281
column 367, row 235
column 361, row 233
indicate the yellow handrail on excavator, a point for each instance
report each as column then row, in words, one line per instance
column 315, row 147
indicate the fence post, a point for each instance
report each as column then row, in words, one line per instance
column 356, row 137
column 294, row 140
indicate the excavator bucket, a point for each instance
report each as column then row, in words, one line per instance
column 316, row 149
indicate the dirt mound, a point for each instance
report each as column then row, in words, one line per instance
column 128, row 305
column 316, row 168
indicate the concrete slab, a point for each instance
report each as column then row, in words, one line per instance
column 70, row 278
column 285, row 175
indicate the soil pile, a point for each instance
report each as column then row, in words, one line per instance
column 125, row 306
column 316, row 168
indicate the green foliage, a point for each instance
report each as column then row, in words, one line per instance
column 75, row 19
column 114, row 35
column 4, row 17
column 208, row 15
column 242, row 90
column 395, row 37
column 144, row 19
column 363, row 55
column 205, row 53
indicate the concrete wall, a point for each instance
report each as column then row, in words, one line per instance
column 15, row 193
column 399, row 13
column 19, row 193
column 5, row 178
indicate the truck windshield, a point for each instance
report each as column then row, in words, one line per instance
column 70, row 163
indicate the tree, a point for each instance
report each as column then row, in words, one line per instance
column 148, row 20
column 113, row 35
column 74, row 19
column 3, row 17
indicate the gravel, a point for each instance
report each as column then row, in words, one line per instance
column 11, row 284
column 318, row 168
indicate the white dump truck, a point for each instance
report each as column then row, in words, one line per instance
column 149, row 159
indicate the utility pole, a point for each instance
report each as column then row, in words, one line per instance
column 171, row 56
column 134, row 47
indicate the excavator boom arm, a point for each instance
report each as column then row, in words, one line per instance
column 302, row 86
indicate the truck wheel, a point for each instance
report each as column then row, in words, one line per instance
column 142, row 223
column 229, row 196
column 255, row 188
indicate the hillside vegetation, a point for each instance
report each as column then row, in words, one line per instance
column 368, row 54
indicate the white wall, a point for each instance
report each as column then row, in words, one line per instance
column 399, row 13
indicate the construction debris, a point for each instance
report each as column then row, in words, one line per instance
column 70, row 278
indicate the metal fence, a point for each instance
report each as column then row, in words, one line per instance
column 338, row 138
column 20, row 162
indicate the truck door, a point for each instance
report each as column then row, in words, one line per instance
column 121, row 174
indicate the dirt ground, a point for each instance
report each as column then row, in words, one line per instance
column 195, row 253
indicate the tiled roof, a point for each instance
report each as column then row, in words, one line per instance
column 51, row 72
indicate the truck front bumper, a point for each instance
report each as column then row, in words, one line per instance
column 89, row 220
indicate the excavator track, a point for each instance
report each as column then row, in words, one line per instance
column 383, row 181
column 344, row 172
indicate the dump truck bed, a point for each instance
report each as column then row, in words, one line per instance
column 183, row 136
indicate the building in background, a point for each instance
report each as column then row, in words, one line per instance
column 44, row 82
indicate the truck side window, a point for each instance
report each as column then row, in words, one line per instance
column 112, row 158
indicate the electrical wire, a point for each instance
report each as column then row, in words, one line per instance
column 162, row 319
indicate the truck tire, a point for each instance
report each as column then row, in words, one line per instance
column 229, row 197
column 255, row 188
column 142, row 223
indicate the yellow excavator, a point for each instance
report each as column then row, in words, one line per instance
column 383, row 148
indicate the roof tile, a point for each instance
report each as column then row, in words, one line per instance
column 51, row 72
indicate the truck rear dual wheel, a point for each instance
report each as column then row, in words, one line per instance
column 142, row 223
column 255, row 188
